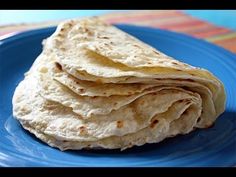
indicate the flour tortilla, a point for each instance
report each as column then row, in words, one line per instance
column 57, row 121
column 87, row 88
column 108, row 42
column 104, row 105
column 56, row 93
column 94, row 86
column 74, row 40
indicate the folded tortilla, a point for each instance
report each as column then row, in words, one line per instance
column 95, row 86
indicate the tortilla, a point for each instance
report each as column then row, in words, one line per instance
column 95, row 86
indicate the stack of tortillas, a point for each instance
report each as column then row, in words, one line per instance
column 95, row 86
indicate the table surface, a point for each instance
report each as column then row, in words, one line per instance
column 215, row 26
column 224, row 18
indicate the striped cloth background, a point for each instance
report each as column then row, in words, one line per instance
column 173, row 20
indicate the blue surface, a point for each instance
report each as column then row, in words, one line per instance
column 215, row 146
column 33, row 16
column 224, row 18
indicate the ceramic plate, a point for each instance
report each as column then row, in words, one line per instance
column 215, row 146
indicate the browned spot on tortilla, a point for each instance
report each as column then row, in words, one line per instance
column 103, row 37
column 130, row 145
column 81, row 90
column 63, row 48
column 108, row 46
column 82, row 130
column 156, row 52
column 90, row 33
column 135, row 45
column 70, row 24
column 45, row 87
column 59, row 67
column 94, row 97
column 49, row 106
column 82, row 73
column 99, row 81
column 119, row 124
column 174, row 63
column 154, row 123
column 149, row 62
column 23, row 109
column 73, row 86
column 180, row 101
column 178, row 70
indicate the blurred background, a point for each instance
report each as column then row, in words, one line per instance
column 216, row 26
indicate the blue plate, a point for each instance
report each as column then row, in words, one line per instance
column 215, row 146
